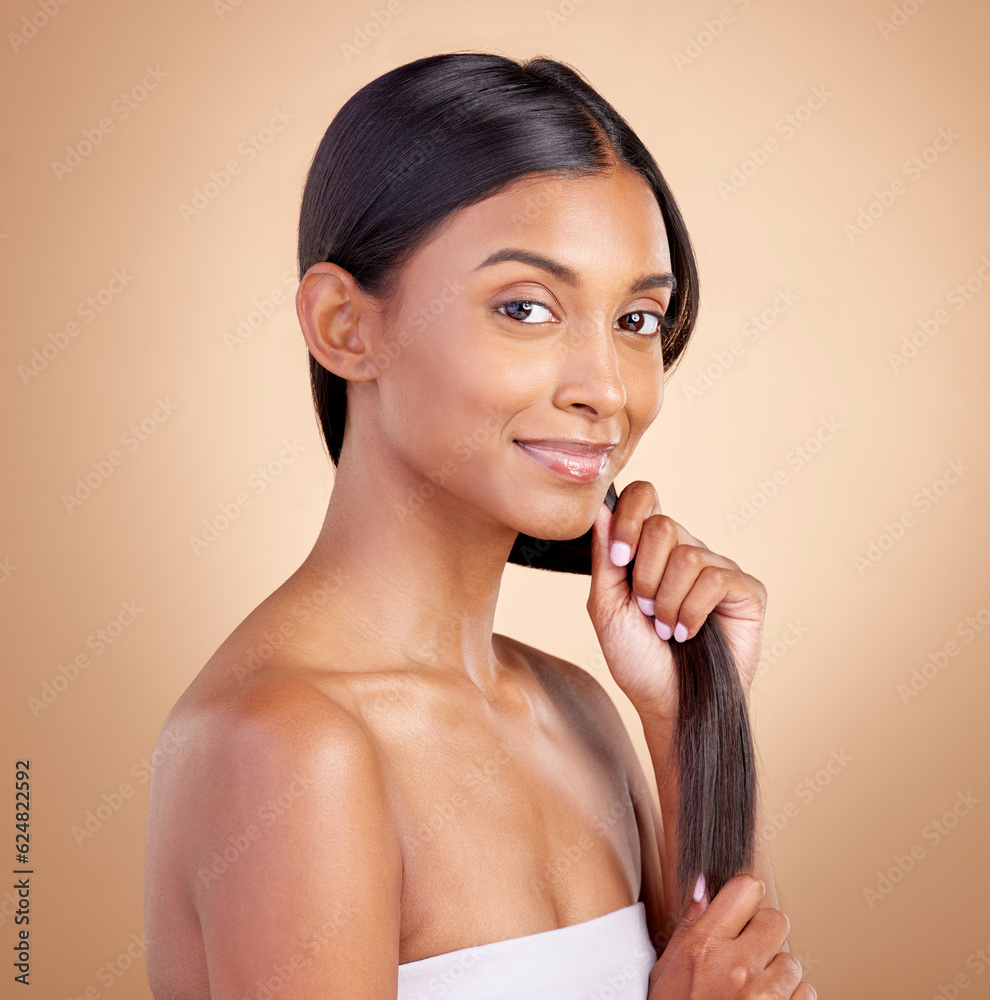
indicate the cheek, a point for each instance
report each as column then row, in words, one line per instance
column 444, row 400
column 644, row 393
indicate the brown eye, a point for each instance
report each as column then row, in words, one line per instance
column 522, row 310
column 648, row 324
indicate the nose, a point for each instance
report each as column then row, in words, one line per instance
column 590, row 372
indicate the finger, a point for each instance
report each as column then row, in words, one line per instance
column 733, row 906
column 785, row 970
column 635, row 504
column 659, row 536
column 609, row 587
column 716, row 585
column 690, row 916
column 770, row 927
column 683, row 571
column 656, row 541
column 697, row 906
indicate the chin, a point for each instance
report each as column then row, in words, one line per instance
column 574, row 519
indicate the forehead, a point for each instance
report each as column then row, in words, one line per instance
column 601, row 224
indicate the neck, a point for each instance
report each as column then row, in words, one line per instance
column 415, row 571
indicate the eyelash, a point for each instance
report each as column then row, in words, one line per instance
column 664, row 325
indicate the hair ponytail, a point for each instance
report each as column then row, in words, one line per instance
column 712, row 741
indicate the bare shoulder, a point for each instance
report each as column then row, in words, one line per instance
column 220, row 715
column 228, row 750
column 269, row 824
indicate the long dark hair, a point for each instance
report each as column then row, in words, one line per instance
column 402, row 155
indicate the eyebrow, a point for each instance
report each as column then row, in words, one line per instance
column 567, row 274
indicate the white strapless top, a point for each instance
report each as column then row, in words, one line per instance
column 605, row 958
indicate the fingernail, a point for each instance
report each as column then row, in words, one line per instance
column 680, row 632
column 699, row 888
column 619, row 553
column 644, row 605
column 663, row 631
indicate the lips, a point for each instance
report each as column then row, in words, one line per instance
column 581, row 461
column 570, row 445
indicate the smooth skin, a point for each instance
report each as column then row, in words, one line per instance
column 364, row 773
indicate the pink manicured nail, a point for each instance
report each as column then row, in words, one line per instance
column 619, row 553
column 663, row 631
column 644, row 605
column 699, row 888
column 680, row 632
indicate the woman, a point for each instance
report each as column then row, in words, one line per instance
column 374, row 795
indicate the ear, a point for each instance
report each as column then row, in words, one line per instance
column 339, row 321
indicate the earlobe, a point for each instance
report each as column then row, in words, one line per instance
column 336, row 318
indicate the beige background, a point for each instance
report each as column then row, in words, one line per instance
column 840, row 637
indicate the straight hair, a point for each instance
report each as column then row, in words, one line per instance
column 401, row 156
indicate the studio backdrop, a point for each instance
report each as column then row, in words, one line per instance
column 826, row 428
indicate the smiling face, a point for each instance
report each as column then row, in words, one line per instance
column 532, row 316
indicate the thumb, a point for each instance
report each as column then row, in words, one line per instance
column 609, row 583
column 695, row 908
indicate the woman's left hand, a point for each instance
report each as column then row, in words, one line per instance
column 686, row 582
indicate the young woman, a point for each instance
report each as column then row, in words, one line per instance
column 368, row 794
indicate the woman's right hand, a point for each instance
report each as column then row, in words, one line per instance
column 730, row 949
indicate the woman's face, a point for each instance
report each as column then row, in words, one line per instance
column 485, row 351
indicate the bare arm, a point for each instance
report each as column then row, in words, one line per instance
column 291, row 861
